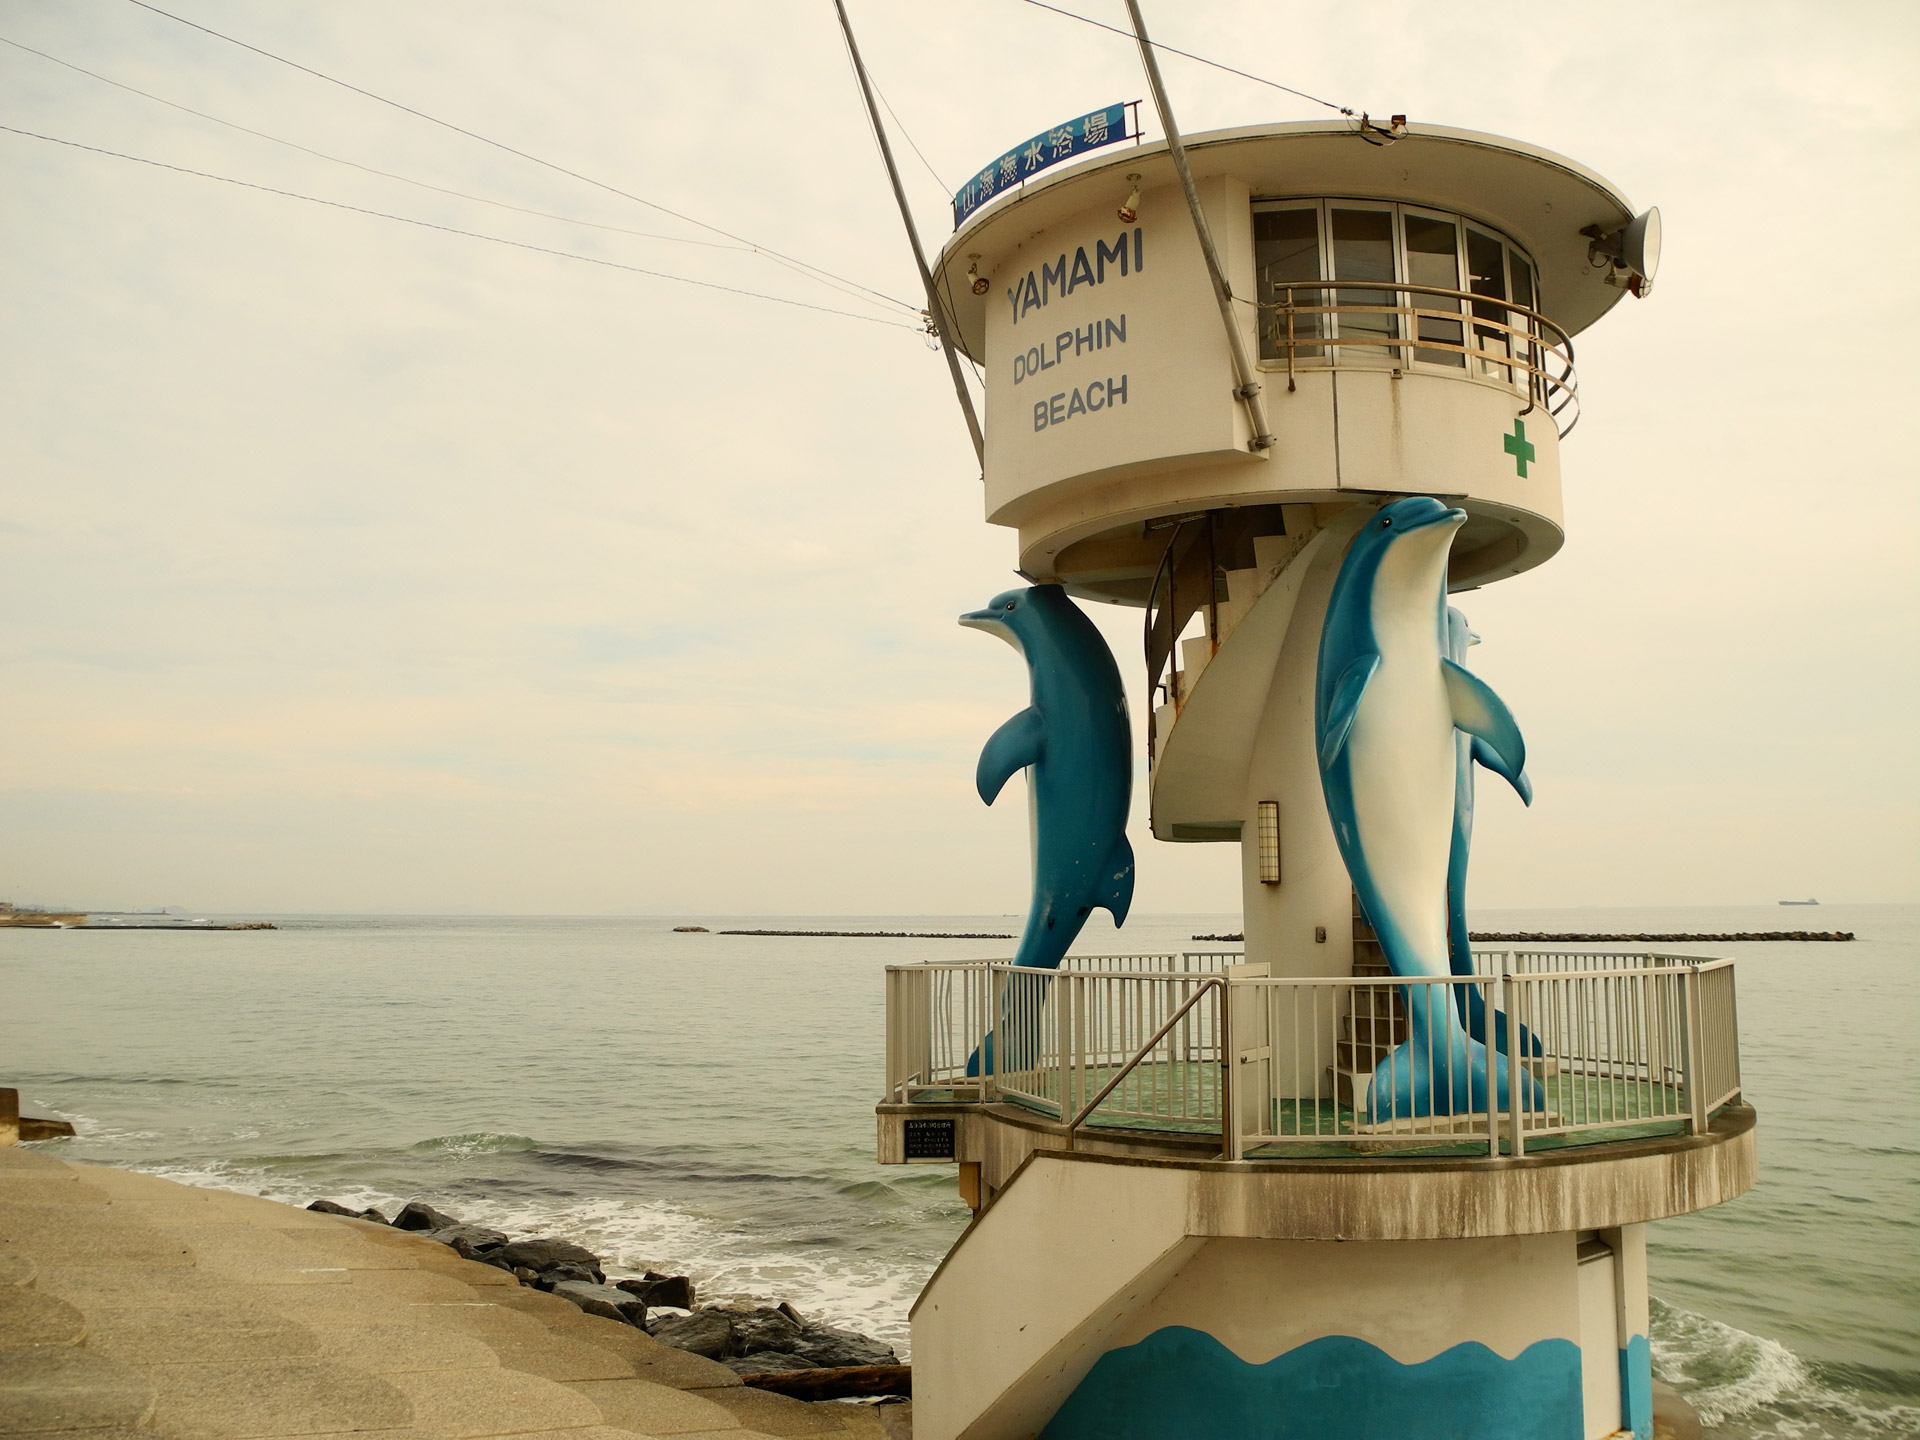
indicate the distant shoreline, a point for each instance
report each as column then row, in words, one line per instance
column 864, row 934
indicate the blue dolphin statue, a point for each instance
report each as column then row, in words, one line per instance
column 1469, row 749
column 1388, row 703
column 1076, row 741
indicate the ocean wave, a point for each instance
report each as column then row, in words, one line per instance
column 474, row 1142
column 1744, row 1385
column 680, row 1168
column 86, row 1127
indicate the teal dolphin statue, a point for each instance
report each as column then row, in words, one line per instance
column 1388, row 703
column 1076, row 739
column 1076, row 742
column 1469, row 749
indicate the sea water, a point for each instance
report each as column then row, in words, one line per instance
column 703, row 1103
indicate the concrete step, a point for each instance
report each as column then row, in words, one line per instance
column 1194, row 655
column 1351, row 1087
column 1374, row 1029
column 1359, row 1056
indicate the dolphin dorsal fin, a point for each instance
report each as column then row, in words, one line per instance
column 1483, row 753
column 1344, row 705
column 1497, row 742
column 1013, row 747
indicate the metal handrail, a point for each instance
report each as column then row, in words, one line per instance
column 1559, row 343
column 1654, row 1040
column 1215, row 982
column 1165, row 612
column 1290, row 286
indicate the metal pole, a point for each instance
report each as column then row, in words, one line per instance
column 1247, row 389
column 934, row 311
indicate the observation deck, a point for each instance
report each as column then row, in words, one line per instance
column 1199, row 1059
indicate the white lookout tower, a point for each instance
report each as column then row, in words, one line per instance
column 1191, row 1220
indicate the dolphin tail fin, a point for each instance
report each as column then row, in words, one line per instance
column 1116, row 882
column 1344, row 705
column 1497, row 742
column 1014, row 746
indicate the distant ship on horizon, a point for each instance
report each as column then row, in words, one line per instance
column 1799, row 902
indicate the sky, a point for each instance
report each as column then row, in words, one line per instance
column 353, row 565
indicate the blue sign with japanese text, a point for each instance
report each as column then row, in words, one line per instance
column 1062, row 142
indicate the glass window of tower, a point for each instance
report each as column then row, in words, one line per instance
column 1363, row 250
column 1438, row 264
column 1487, row 275
column 1286, row 248
column 1433, row 259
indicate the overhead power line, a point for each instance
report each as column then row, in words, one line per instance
column 456, row 230
column 813, row 272
column 944, row 186
column 368, row 169
column 1171, row 50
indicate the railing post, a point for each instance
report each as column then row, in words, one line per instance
column 893, row 1010
column 1063, row 1028
column 1230, row 1137
column 992, row 1005
column 1515, row 1110
column 1492, row 1007
column 1696, row 1094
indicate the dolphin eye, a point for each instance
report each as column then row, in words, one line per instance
column 1386, row 522
column 1011, row 604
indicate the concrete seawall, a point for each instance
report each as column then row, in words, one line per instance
column 131, row 1305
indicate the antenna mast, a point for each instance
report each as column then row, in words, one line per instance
column 935, row 313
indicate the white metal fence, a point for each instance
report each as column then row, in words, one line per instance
column 1585, row 1046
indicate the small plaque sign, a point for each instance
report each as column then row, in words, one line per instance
column 929, row 1140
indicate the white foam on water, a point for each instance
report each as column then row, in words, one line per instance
column 870, row 1296
column 725, row 1261
column 85, row 1127
column 1744, row 1385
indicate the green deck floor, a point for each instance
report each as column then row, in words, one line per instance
column 1615, row 1110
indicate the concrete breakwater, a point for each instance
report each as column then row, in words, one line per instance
column 1569, row 937
column 769, row 1345
column 1684, row 938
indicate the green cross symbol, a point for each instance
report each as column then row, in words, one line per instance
column 1518, row 446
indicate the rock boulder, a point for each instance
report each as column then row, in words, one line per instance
column 675, row 1291
column 470, row 1242
column 603, row 1300
column 541, row 1256
column 418, row 1215
column 704, row 1332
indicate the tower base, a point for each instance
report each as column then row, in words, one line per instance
column 1104, row 1296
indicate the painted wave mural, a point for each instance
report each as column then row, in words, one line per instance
column 1182, row 1384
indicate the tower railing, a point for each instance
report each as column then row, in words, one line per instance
column 1629, row 1046
column 1312, row 327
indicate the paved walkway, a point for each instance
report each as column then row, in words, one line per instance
column 131, row 1306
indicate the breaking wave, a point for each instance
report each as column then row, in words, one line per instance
column 1747, row 1387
